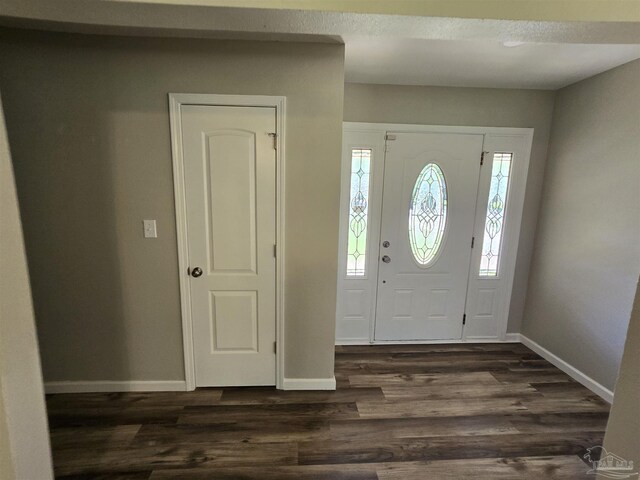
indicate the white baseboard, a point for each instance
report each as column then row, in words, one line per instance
column 512, row 338
column 309, row 383
column 352, row 341
column 116, row 386
column 481, row 340
column 577, row 375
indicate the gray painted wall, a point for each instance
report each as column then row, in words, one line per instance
column 469, row 107
column 24, row 436
column 587, row 255
column 89, row 127
column 623, row 429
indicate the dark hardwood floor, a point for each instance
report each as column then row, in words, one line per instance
column 492, row 411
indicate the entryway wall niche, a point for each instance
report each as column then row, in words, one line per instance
column 420, row 189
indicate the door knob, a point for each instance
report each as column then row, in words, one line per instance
column 196, row 272
column 386, row 259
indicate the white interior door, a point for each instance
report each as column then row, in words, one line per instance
column 230, row 184
column 429, row 200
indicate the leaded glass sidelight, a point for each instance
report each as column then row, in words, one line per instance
column 358, row 212
column 496, row 210
column 428, row 214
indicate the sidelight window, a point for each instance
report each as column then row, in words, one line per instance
column 358, row 212
column 496, row 211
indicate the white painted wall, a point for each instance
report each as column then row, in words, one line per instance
column 587, row 255
column 24, row 436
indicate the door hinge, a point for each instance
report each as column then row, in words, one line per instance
column 473, row 241
column 274, row 136
column 275, row 347
column 388, row 138
column 482, row 158
column 275, row 250
column 464, row 319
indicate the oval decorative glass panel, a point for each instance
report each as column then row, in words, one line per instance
column 428, row 214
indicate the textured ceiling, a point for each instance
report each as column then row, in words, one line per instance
column 398, row 49
column 196, row 19
column 478, row 63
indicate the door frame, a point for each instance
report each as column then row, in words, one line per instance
column 176, row 100
column 510, row 247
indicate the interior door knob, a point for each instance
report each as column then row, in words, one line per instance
column 196, row 272
column 386, row 259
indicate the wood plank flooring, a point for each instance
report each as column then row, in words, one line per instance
column 491, row 411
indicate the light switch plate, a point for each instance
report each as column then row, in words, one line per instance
column 150, row 230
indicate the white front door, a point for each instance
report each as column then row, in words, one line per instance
column 230, row 184
column 428, row 210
